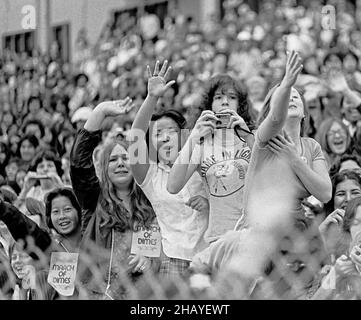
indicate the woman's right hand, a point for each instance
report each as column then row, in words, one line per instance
column 204, row 126
column 29, row 181
column 336, row 218
column 116, row 108
column 293, row 68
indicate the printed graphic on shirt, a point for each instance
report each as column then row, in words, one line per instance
column 225, row 174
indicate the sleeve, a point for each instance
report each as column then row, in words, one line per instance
column 146, row 185
column 317, row 153
column 22, row 227
column 82, row 171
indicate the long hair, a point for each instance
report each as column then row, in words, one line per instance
column 225, row 81
column 337, row 179
column 322, row 132
column 267, row 107
column 112, row 212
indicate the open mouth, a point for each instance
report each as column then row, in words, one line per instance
column 292, row 106
column 64, row 224
column 338, row 143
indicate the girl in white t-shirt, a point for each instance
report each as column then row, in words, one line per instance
column 182, row 217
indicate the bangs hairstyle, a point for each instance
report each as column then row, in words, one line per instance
column 173, row 114
column 267, row 106
column 224, row 82
column 336, row 180
column 110, row 208
column 321, row 135
column 60, row 192
column 49, row 156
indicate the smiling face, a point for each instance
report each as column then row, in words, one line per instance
column 346, row 191
column 337, row 138
column 19, row 261
column 64, row 216
column 118, row 168
column 225, row 98
column 295, row 106
column 165, row 136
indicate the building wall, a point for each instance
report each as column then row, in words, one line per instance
column 89, row 14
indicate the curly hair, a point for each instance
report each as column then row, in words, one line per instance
column 223, row 82
column 113, row 213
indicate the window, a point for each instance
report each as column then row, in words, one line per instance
column 20, row 42
column 61, row 37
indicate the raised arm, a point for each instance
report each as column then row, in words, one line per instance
column 22, row 227
column 273, row 123
column 186, row 163
column 157, row 86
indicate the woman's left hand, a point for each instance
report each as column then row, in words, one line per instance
column 283, row 145
column 139, row 263
column 235, row 120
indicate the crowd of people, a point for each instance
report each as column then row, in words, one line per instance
column 173, row 160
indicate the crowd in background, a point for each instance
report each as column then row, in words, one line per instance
column 45, row 101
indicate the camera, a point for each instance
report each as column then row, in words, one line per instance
column 223, row 120
column 41, row 176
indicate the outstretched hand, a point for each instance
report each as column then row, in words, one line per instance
column 117, row 107
column 157, row 82
column 293, row 68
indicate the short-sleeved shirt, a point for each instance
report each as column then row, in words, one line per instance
column 182, row 228
column 273, row 192
column 223, row 167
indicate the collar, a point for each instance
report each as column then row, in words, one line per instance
column 164, row 166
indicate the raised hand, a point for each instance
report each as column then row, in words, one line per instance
column 157, row 82
column 117, row 107
column 337, row 82
column 293, row 68
column 336, row 218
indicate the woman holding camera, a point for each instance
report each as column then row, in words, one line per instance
column 219, row 148
column 43, row 177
